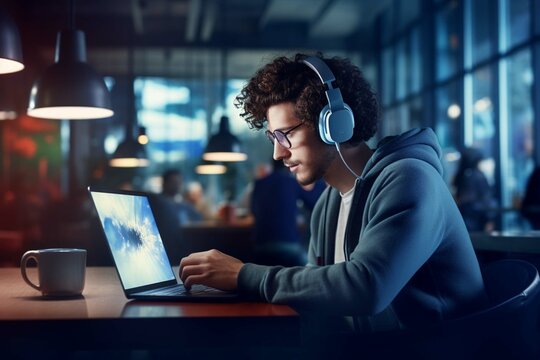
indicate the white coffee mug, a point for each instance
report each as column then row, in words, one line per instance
column 61, row 271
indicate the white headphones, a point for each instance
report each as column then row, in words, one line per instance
column 336, row 120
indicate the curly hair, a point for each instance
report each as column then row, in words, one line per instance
column 290, row 80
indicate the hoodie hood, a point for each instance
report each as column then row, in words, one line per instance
column 421, row 144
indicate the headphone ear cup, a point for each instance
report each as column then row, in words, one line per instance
column 337, row 126
column 324, row 118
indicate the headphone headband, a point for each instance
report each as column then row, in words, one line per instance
column 319, row 66
column 336, row 120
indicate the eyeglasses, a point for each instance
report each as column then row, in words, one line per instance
column 281, row 136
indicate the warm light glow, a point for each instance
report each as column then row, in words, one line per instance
column 10, row 66
column 454, row 111
column 482, row 104
column 224, row 156
column 129, row 162
column 142, row 139
column 70, row 112
column 211, row 169
column 8, row 115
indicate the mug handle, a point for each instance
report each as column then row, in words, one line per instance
column 32, row 254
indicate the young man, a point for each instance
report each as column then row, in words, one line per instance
column 389, row 248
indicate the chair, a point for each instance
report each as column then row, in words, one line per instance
column 509, row 328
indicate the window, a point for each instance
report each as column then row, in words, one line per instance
column 173, row 112
column 517, row 124
column 448, row 40
column 482, row 133
column 449, row 115
column 481, row 21
column 388, row 76
column 515, row 21
column 402, row 70
column 416, row 66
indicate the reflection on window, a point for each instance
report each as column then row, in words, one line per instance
column 449, row 116
column 517, row 123
column 516, row 20
column 448, row 40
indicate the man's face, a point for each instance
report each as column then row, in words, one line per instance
column 308, row 158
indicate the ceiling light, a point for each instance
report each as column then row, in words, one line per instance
column 10, row 45
column 70, row 88
column 224, row 146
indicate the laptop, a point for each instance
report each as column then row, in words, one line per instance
column 139, row 253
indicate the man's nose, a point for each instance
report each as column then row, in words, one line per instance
column 280, row 151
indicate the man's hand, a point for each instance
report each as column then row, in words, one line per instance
column 211, row 268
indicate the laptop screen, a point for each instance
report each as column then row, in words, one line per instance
column 133, row 237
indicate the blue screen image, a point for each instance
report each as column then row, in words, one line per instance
column 134, row 239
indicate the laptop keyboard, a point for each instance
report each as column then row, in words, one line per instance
column 181, row 290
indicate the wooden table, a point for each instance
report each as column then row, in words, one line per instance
column 104, row 319
column 507, row 241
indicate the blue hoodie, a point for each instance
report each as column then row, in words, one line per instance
column 410, row 261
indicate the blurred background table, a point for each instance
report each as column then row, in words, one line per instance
column 507, row 241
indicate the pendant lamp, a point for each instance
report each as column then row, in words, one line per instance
column 224, row 146
column 129, row 154
column 70, row 88
column 10, row 45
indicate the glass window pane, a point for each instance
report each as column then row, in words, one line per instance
column 416, row 67
column 391, row 122
column 449, row 116
column 482, row 25
column 516, row 19
column 388, row 76
column 174, row 114
column 448, row 40
column 402, row 118
column 483, row 120
column 402, row 69
column 517, row 122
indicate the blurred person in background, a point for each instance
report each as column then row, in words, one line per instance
column 473, row 193
column 171, row 194
column 194, row 195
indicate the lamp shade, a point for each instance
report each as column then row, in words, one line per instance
column 10, row 45
column 70, row 88
column 129, row 154
column 224, row 146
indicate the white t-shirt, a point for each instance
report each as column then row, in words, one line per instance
column 344, row 210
